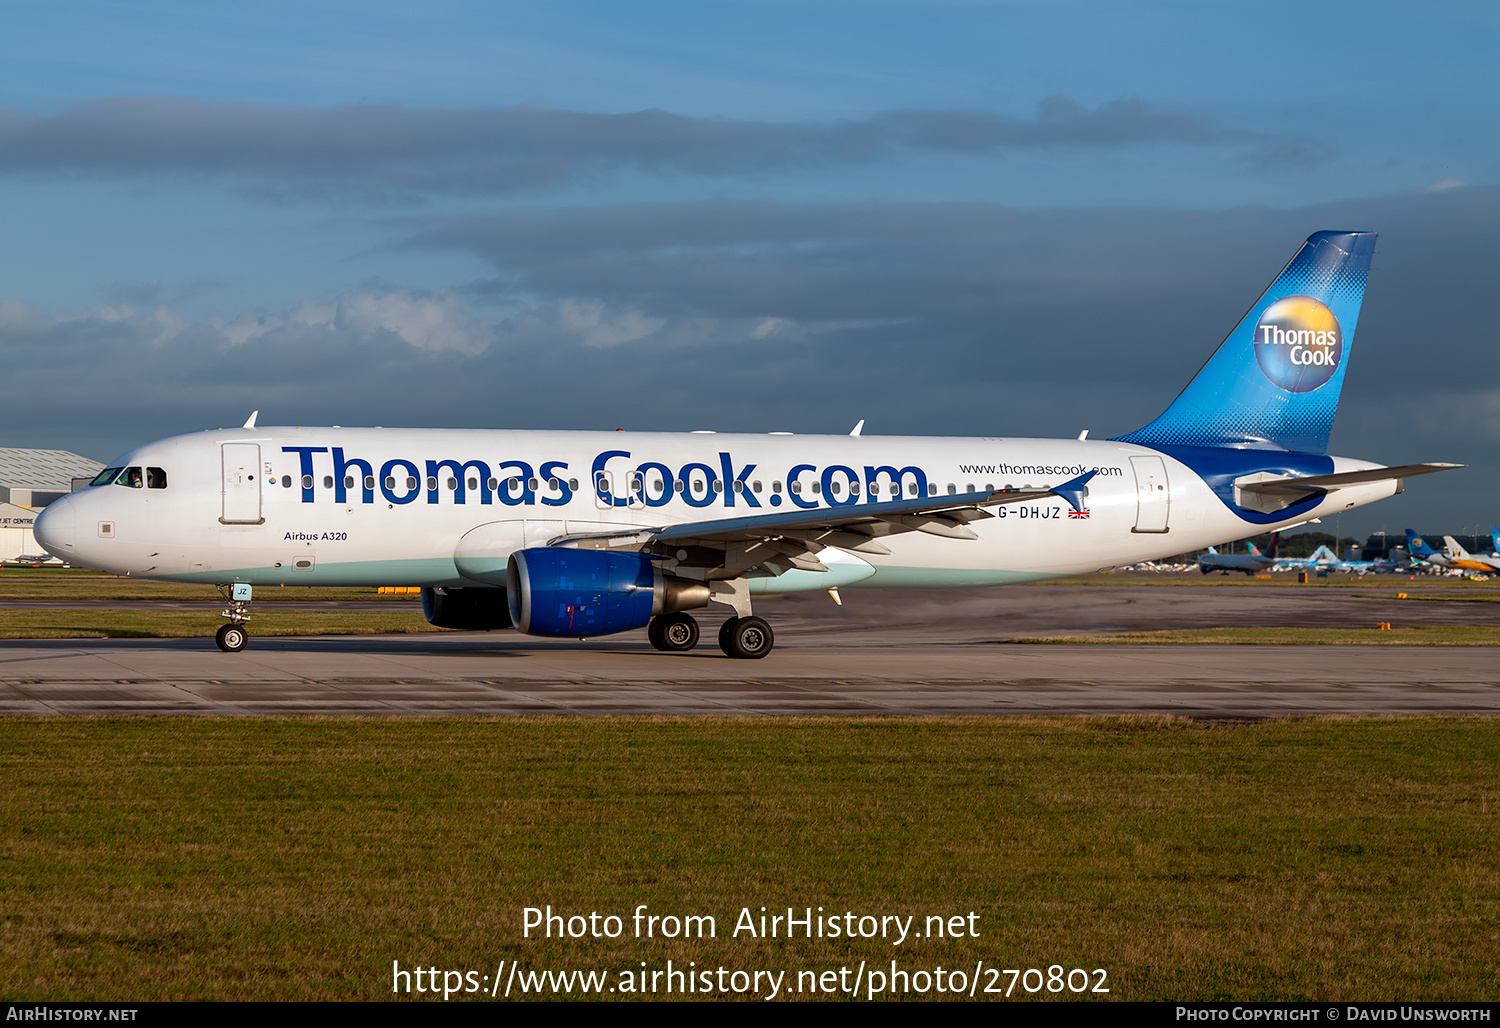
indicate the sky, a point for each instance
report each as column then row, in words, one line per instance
column 966, row 218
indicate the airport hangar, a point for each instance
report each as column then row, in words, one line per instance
column 29, row 480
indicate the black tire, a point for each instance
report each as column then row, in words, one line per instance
column 673, row 633
column 231, row 638
column 746, row 638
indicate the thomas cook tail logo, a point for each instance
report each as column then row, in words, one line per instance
column 1298, row 343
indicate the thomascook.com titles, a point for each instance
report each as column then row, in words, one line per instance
column 868, row 979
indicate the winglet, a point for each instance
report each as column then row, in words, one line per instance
column 858, row 428
column 1074, row 489
column 250, row 421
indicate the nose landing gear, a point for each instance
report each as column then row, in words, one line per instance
column 231, row 638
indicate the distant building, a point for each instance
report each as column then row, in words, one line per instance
column 29, row 480
column 34, row 478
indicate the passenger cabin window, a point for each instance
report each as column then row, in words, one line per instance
column 286, row 481
column 156, row 478
column 106, row 476
column 130, row 477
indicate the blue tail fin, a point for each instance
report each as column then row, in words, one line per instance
column 1416, row 547
column 1495, row 538
column 1274, row 382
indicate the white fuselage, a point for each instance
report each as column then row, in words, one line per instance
column 271, row 506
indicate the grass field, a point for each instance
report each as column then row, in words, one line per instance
column 152, row 623
column 26, row 583
column 1418, row 635
column 297, row 858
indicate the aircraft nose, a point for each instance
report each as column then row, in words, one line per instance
column 56, row 528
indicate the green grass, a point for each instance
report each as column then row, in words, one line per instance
column 1417, row 635
column 199, row 858
column 28, row 583
column 151, row 623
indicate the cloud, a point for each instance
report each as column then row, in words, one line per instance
column 433, row 322
column 961, row 319
column 390, row 151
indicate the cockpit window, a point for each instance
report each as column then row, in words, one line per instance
column 130, row 477
column 156, row 478
column 106, row 476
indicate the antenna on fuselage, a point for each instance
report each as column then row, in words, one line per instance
column 858, row 428
column 250, row 421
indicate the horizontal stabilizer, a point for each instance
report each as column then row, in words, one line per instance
column 1283, row 491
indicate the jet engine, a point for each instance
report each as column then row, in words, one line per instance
column 472, row 610
column 558, row 591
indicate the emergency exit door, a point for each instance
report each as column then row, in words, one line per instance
column 241, row 484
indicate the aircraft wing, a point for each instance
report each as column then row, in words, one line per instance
column 1281, row 492
column 782, row 541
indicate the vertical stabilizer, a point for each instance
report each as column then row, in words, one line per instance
column 1417, row 547
column 1274, row 382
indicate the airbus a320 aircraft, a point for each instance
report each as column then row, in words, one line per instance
column 580, row 534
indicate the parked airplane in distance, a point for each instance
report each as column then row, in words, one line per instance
column 1451, row 556
column 1324, row 560
column 1252, row 563
column 579, row 534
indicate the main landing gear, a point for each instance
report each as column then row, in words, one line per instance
column 673, row 633
column 748, row 638
column 232, row 637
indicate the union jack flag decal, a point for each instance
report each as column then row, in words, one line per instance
column 1079, row 515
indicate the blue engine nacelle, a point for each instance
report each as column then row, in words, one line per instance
column 553, row 590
